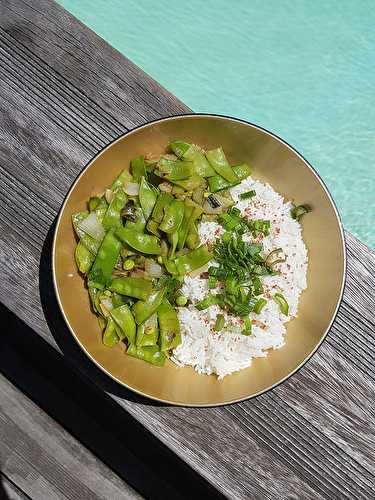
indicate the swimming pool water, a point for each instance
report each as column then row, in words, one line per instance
column 304, row 70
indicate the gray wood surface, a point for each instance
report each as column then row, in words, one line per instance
column 46, row 462
column 64, row 93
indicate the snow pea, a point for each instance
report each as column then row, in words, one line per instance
column 102, row 323
column 147, row 332
column 200, row 163
column 173, row 240
column 112, row 218
column 88, row 241
column 138, row 168
column 175, row 170
column 173, row 216
column 110, row 337
column 93, row 292
column 218, row 183
column 118, row 300
column 192, row 240
column 179, row 147
column 219, row 163
column 84, row 258
column 144, row 243
column 124, row 319
column 164, row 199
column 142, row 310
column 170, row 335
column 190, row 184
column 101, row 209
column 193, row 260
column 150, row 354
column 100, row 275
column 147, row 197
column 153, row 227
column 170, row 266
column 122, row 180
column 194, row 153
column 184, row 228
column 192, row 212
column 132, row 287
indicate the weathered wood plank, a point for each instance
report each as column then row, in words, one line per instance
column 310, row 437
column 93, row 418
column 44, row 460
column 9, row 491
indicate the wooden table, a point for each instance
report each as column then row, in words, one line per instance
column 68, row 431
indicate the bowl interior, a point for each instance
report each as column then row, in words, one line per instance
column 272, row 161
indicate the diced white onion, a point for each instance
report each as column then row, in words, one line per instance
column 109, row 195
column 105, row 305
column 132, row 189
column 93, row 227
column 153, row 269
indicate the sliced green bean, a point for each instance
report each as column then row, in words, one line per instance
column 138, row 288
column 138, row 168
column 170, row 335
column 150, row 354
column 84, row 258
column 144, row 243
column 124, row 319
column 142, row 310
column 147, row 197
column 110, row 337
column 112, row 218
column 148, row 332
column 173, row 216
column 193, row 260
column 100, row 275
column 219, row 163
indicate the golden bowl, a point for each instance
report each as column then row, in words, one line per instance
column 272, row 160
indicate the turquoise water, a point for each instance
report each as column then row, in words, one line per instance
column 304, row 70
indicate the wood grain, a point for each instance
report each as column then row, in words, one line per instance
column 64, row 93
column 9, row 491
column 44, row 460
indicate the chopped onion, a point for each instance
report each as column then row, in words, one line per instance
column 132, row 189
column 109, row 195
column 93, row 227
column 153, row 269
column 105, row 305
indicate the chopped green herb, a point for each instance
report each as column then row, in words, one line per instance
column 247, row 195
column 247, row 326
column 208, row 301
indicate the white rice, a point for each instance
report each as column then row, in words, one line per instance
column 228, row 351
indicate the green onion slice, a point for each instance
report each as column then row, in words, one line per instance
column 219, row 323
column 281, row 301
column 247, row 195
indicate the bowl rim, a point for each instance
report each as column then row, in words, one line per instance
column 319, row 179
